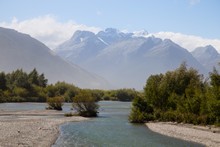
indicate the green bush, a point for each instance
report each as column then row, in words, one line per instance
column 169, row 116
column 136, row 116
column 85, row 104
column 55, row 103
column 141, row 111
column 70, row 114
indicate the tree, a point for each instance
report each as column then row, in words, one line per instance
column 85, row 104
column 215, row 78
column 214, row 95
column 141, row 111
column 125, row 94
column 178, row 95
column 2, row 96
column 3, row 81
column 18, row 78
column 153, row 93
column 33, row 77
column 42, row 81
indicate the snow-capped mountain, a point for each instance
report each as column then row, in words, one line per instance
column 126, row 59
column 22, row 51
column 76, row 49
column 207, row 56
column 111, row 35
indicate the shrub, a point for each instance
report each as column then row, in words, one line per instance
column 136, row 116
column 55, row 103
column 169, row 116
column 141, row 111
column 85, row 104
column 70, row 114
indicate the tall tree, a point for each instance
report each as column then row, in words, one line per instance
column 42, row 81
column 3, row 81
column 33, row 77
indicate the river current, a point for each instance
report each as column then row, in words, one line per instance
column 112, row 129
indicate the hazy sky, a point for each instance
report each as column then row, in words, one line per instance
column 45, row 18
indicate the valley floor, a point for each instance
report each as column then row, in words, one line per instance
column 41, row 128
column 31, row 128
column 200, row 134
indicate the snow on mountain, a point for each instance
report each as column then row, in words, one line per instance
column 207, row 56
column 22, row 51
column 142, row 33
column 111, row 35
column 81, row 46
column 127, row 59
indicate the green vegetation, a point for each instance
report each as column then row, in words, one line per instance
column 120, row 95
column 19, row 86
column 55, row 103
column 70, row 114
column 181, row 95
column 85, row 104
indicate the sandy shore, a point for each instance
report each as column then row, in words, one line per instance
column 31, row 128
column 204, row 135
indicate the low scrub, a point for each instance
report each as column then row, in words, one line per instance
column 55, row 103
column 85, row 104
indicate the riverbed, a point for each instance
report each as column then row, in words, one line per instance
column 33, row 126
column 112, row 129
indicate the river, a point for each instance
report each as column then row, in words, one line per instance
column 112, row 129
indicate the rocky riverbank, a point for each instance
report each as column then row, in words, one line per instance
column 207, row 135
column 31, row 128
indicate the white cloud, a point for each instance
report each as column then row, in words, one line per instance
column 47, row 29
column 52, row 32
column 189, row 42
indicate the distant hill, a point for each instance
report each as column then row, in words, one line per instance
column 19, row 50
column 207, row 56
column 125, row 59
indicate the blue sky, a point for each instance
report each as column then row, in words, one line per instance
column 191, row 17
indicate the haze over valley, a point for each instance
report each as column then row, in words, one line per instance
column 126, row 59
column 146, row 62
column 21, row 51
column 108, row 59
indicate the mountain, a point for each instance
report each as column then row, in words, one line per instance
column 22, row 51
column 84, row 44
column 76, row 49
column 126, row 59
column 207, row 56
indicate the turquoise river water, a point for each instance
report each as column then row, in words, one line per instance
column 110, row 129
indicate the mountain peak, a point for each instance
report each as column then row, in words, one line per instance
column 111, row 35
column 111, row 30
column 168, row 42
column 20, row 51
column 141, row 33
column 208, row 50
column 82, row 34
column 207, row 56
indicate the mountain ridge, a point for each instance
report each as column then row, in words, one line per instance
column 208, row 56
column 128, row 59
column 21, row 51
